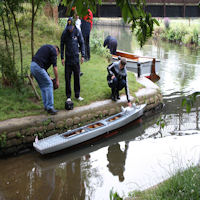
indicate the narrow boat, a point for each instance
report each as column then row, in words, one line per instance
column 141, row 65
column 73, row 137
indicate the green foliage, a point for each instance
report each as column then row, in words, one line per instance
column 3, row 140
column 41, row 135
column 114, row 196
column 180, row 32
column 96, row 45
column 47, row 122
column 141, row 22
column 161, row 123
column 183, row 185
column 18, row 134
column 62, row 22
column 7, row 68
column 81, row 6
column 189, row 101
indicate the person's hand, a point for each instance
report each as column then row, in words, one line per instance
column 57, row 83
column 129, row 104
column 63, row 62
column 112, row 77
column 82, row 60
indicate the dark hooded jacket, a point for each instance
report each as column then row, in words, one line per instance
column 71, row 39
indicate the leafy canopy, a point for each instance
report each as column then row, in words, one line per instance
column 142, row 23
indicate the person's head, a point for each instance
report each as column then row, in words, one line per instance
column 122, row 63
column 57, row 49
column 70, row 24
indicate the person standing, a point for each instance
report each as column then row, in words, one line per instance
column 117, row 79
column 41, row 61
column 77, row 24
column 86, row 27
column 111, row 43
column 71, row 39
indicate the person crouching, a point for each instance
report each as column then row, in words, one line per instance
column 117, row 79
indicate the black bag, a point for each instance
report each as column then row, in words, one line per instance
column 69, row 105
column 109, row 80
column 54, row 84
column 109, row 76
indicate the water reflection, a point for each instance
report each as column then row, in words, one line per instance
column 116, row 160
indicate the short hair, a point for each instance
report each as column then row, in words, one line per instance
column 57, row 48
column 123, row 61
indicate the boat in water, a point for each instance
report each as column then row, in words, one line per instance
column 141, row 65
column 85, row 133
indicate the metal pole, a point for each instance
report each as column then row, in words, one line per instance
column 138, row 70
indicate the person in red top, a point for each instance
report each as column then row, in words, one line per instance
column 89, row 18
column 86, row 26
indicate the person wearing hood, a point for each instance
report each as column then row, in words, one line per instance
column 71, row 39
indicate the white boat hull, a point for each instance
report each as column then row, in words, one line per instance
column 145, row 63
column 70, row 138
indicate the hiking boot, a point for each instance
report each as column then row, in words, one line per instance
column 117, row 95
column 113, row 98
column 52, row 111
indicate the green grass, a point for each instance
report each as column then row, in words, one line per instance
column 93, row 83
column 183, row 185
column 93, row 88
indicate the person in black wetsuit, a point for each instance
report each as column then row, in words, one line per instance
column 117, row 79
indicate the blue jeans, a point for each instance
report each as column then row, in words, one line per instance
column 45, row 84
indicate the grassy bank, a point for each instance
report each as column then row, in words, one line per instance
column 183, row 185
column 15, row 103
column 181, row 31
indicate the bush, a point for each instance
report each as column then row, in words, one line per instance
column 96, row 45
column 7, row 69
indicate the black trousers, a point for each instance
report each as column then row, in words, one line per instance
column 75, row 69
column 117, row 85
column 87, row 46
column 113, row 47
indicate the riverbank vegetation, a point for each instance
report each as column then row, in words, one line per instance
column 18, row 99
column 180, row 31
column 183, row 185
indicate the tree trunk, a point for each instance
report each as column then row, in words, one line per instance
column 11, row 37
column 32, row 29
column 19, row 40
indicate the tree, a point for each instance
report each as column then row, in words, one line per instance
column 141, row 22
column 7, row 56
column 15, row 6
column 35, row 5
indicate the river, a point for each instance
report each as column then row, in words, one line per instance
column 138, row 157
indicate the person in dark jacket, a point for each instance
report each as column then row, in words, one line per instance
column 71, row 39
column 117, row 79
column 111, row 43
column 86, row 27
column 41, row 61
